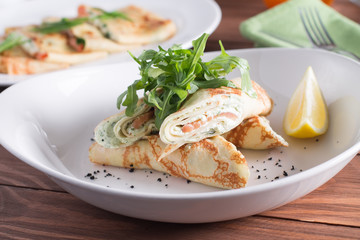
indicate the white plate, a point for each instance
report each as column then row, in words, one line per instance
column 190, row 21
column 50, row 127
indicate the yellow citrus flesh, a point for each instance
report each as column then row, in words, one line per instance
column 306, row 115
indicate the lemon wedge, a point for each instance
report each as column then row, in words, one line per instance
column 306, row 115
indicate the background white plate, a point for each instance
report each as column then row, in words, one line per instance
column 192, row 18
column 50, row 127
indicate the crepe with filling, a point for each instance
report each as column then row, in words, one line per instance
column 91, row 38
column 144, row 27
column 213, row 161
column 255, row 133
column 95, row 41
column 121, row 130
column 223, row 109
column 52, row 47
column 211, row 112
column 25, row 65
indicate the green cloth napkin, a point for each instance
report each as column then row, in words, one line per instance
column 281, row 26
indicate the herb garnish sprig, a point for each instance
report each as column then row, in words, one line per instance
column 66, row 23
column 169, row 77
column 12, row 40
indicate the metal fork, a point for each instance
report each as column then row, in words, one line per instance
column 317, row 33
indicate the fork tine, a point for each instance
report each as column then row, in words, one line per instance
column 303, row 20
column 311, row 24
column 323, row 27
column 319, row 32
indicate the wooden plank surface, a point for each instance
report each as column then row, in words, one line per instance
column 27, row 213
column 33, row 207
column 31, row 203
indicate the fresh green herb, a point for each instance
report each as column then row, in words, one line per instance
column 12, row 40
column 80, row 41
column 169, row 77
column 110, row 15
column 65, row 23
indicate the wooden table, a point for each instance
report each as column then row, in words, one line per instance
column 33, row 207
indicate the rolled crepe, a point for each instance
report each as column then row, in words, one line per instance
column 54, row 47
column 213, row 161
column 19, row 65
column 211, row 112
column 144, row 27
column 121, row 130
column 255, row 133
column 95, row 41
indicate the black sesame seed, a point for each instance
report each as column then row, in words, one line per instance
column 264, row 169
column 285, row 173
column 88, row 175
column 166, row 185
column 104, row 170
column 258, row 177
column 252, row 166
column 317, row 140
column 131, row 165
column 92, row 139
column 132, row 186
column 131, row 170
column 257, row 170
column 159, row 179
column 270, row 158
column 92, row 177
column 292, row 168
column 188, row 181
column 277, row 177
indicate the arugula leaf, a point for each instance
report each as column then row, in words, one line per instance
column 168, row 77
column 224, row 64
column 111, row 15
column 65, row 23
column 214, row 84
column 131, row 99
column 62, row 25
column 12, row 40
